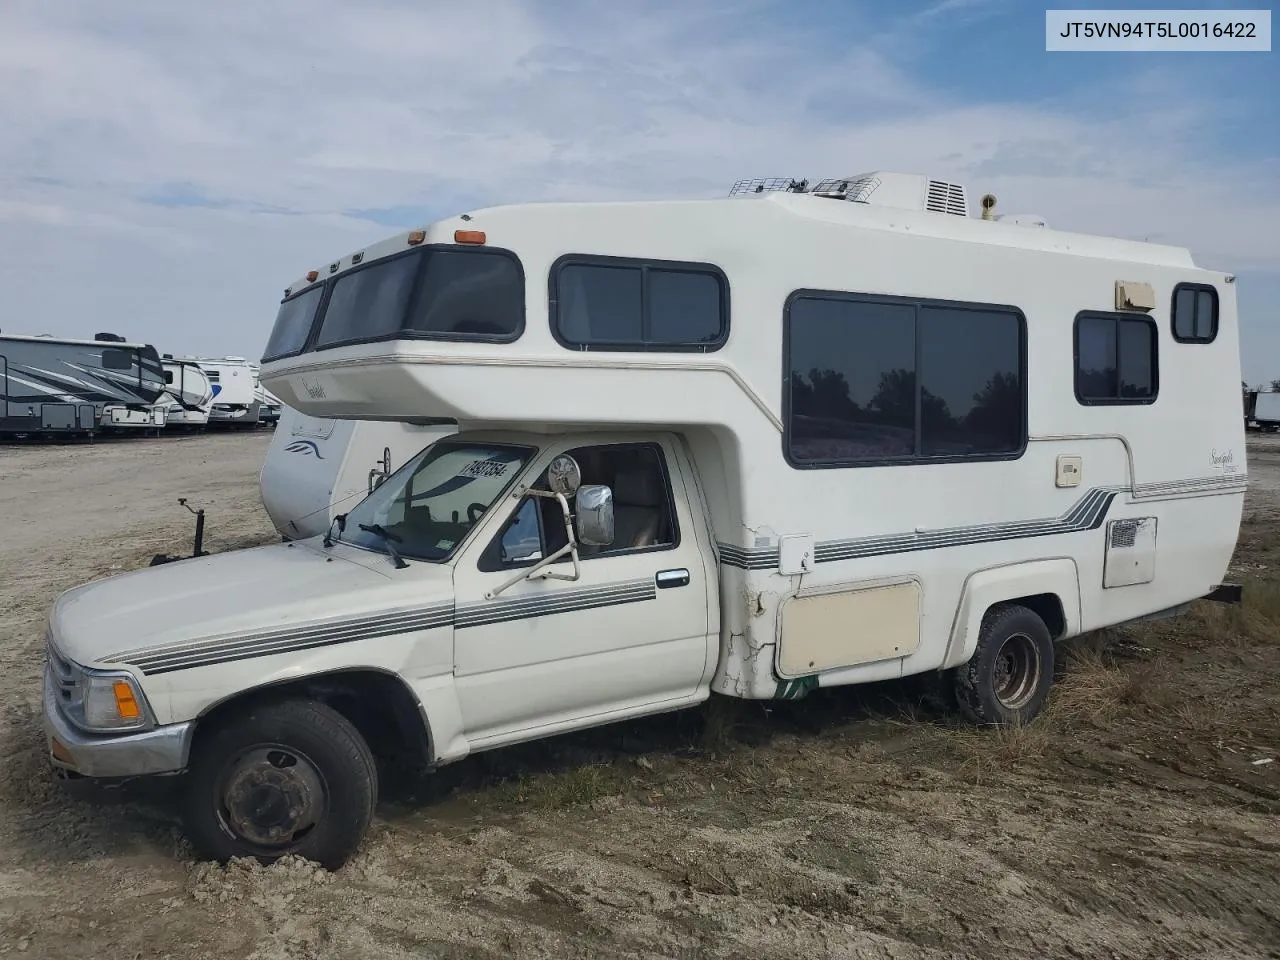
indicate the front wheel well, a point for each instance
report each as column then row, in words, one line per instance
column 379, row 705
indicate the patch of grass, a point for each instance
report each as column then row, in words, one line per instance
column 560, row 789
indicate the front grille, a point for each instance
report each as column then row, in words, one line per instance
column 64, row 678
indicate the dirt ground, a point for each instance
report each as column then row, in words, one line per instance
column 1137, row 819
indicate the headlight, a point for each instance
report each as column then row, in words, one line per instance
column 111, row 702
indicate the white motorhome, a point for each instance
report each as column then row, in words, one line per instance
column 318, row 468
column 789, row 439
column 188, row 393
column 236, row 401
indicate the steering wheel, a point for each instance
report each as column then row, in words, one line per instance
column 474, row 511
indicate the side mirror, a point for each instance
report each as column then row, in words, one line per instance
column 593, row 508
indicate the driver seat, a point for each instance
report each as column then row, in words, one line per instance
column 638, row 500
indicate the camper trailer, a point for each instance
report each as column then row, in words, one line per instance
column 188, row 393
column 796, row 438
column 52, row 387
column 317, row 469
column 269, row 405
column 236, row 401
column 1266, row 410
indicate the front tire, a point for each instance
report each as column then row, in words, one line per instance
column 1006, row 681
column 292, row 777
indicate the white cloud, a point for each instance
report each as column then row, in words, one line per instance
column 310, row 108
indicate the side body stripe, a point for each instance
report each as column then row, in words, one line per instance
column 1088, row 513
column 204, row 653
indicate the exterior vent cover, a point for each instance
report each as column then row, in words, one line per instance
column 946, row 197
column 1124, row 533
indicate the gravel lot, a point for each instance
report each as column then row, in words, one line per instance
column 1132, row 821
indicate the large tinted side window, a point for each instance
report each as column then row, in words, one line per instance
column 293, row 323
column 970, row 382
column 369, row 303
column 852, row 381
column 1116, row 358
column 892, row 380
column 619, row 304
column 468, row 295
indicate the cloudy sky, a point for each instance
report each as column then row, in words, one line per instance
column 167, row 168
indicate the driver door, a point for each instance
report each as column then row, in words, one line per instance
column 629, row 635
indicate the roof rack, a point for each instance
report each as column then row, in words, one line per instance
column 769, row 185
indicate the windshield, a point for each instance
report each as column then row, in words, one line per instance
column 431, row 503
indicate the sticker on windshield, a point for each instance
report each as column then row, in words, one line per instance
column 485, row 468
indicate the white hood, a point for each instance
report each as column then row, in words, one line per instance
column 262, row 588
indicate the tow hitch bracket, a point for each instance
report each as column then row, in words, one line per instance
column 197, row 549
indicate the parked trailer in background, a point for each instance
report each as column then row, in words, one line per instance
column 188, row 393
column 791, row 439
column 269, row 404
column 62, row 387
column 236, row 402
column 1266, row 411
column 318, row 468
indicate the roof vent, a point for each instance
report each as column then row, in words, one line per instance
column 108, row 338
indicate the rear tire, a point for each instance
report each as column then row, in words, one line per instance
column 1007, row 680
column 291, row 777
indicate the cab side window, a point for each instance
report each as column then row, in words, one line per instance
column 643, row 510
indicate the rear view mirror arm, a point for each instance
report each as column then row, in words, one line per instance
column 540, row 570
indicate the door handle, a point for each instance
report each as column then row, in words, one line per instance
column 672, row 578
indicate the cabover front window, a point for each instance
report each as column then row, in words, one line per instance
column 428, row 293
column 293, row 322
column 615, row 303
column 892, row 380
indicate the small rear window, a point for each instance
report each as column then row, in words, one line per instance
column 1195, row 313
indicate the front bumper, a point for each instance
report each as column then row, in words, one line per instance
column 135, row 754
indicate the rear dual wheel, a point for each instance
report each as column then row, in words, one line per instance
column 292, row 777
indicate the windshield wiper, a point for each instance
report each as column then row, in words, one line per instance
column 389, row 538
column 341, row 521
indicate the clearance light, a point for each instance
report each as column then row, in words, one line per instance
column 126, row 702
column 417, row 237
column 468, row 236
column 333, row 267
column 356, row 258
column 311, row 275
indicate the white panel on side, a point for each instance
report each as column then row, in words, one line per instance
column 1131, row 552
column 823, row 631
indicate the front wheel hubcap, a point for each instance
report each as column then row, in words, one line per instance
column 271, row 797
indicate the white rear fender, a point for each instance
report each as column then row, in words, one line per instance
column 985, row 588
